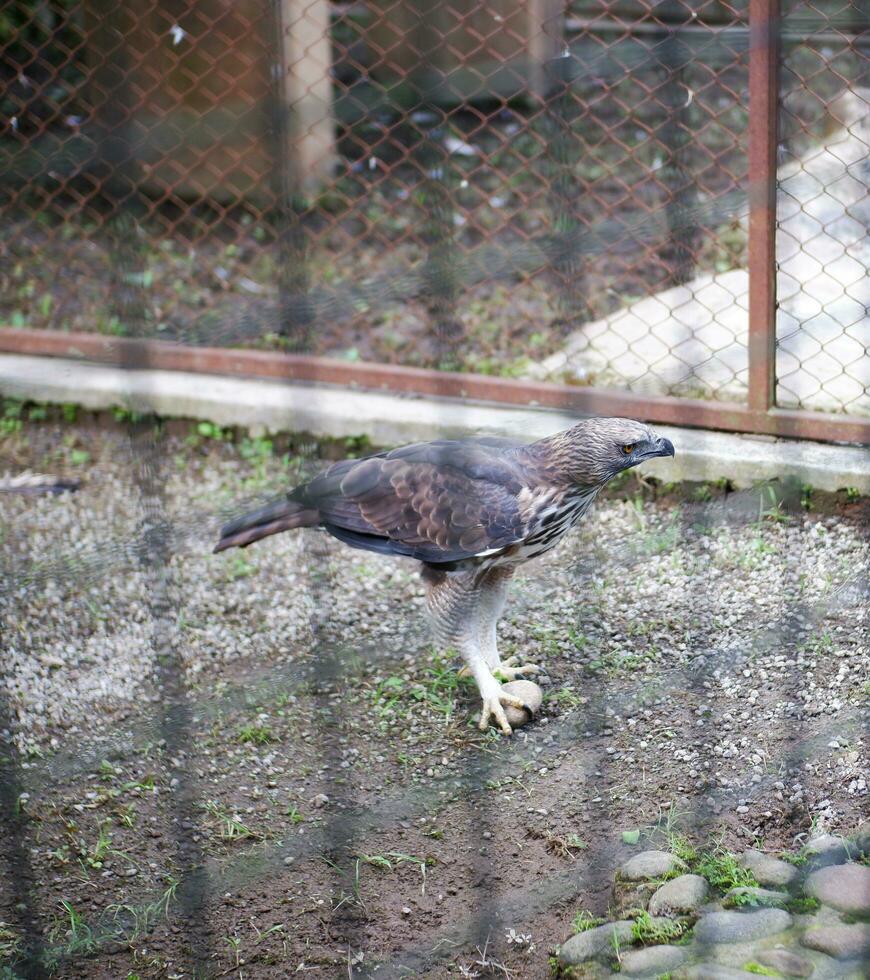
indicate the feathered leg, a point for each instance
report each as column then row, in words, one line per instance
column 493, row 592
column 464, row 607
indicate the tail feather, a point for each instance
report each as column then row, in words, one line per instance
column 281, row 515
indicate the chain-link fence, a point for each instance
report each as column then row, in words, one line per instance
column 548, row 192
column 254, row 764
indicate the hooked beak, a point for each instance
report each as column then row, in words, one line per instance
column 660, row 447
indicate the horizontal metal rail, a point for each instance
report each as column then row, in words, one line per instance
column 235, row 362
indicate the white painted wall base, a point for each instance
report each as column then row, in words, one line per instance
column 264, row 406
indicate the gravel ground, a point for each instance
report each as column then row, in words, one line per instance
column 280, row 710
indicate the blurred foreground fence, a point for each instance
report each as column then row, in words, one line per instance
column 667, row 201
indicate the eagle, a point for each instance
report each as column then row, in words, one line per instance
column 470, row 511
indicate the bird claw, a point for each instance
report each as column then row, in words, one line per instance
column 509, row 671
column 492, row 708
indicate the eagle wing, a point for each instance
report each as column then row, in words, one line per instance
column 438, row 502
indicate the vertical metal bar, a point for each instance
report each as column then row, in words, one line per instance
column 763, row 92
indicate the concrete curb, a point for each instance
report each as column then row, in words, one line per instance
column 265, row 406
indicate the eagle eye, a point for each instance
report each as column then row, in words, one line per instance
column 629, row 449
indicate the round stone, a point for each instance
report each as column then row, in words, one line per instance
column 842, row 886
column 650, row 864
column 652, row 961
column 529, row 693
column 786, row 962
column 593, row 942
column 741, row 927
column 843, row 942
column 680, row 896
column 769, row 870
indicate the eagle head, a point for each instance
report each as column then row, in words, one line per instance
column 595, row 450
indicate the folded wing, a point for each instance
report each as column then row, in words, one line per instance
column 438, row 502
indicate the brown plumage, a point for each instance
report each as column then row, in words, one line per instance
column 470, row 511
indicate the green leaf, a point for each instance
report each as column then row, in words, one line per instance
column 630, row 836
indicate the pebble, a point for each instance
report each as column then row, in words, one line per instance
column 683, row 895
column 768, row 870
column 529, row 692
column 741, row 927
column 843, row 942
column 842, row 886
column 652, row 960
column 650, row 864
column 587, row 945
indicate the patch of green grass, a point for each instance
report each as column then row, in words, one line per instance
column 721, row 869
column 437, row 687
column 10, row 941
column 238, row 566
column 762, row 971
column 584, row 920
column 255, row 734
column 654, row 933
column 684, row 849
column 230, row 825
column 803, row 905
column 72, row 934
column 10, row 421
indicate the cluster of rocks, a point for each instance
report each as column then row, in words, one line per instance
column 810, row 919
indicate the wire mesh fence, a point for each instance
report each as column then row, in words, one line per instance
column 254, row 764
column 553, row 192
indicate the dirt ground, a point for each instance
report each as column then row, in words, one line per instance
column 254, row 764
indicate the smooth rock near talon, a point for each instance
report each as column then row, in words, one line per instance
column 842, row 942
column 747, row 896
column 681, row 896
column 587, row 945
column 786, row 962
column 652, row 960
column 650, row 864
column 531, row 694
column 767, row 869
column 842, row 886
column 741, row 927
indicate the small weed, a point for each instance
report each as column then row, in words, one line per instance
column 763, row 971
column 565, row 697
column 803, row 905
column 255, row 734
column 798, row 859
column 770, row 506
column 208, row 430
column 11, row 418
column 10, row 941
column 680, row 845
column 230, row 826
column 654, row 933
column 584, row 920
column 239, row 567
column 78, row 937
column 721, row 869
column 293, row 814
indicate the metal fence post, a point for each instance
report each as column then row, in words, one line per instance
column 763, row 102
